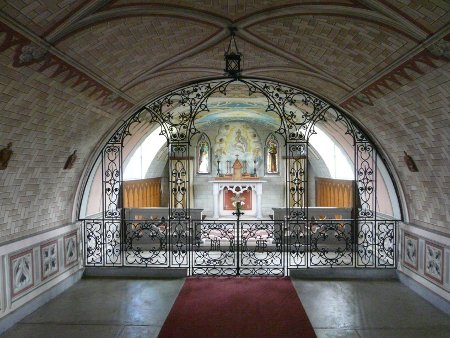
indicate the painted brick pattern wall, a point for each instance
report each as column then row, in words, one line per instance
column 127, row 46
column 416, row 118
column 38, row 15
column 351, row 51
column 45, row 121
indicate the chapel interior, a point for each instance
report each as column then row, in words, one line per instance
column 150, row 142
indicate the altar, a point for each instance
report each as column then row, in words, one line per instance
column 223, row 188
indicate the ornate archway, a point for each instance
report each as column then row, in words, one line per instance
column 290, row 240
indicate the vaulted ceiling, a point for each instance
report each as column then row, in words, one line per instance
column 72, row 70
column 134, row 50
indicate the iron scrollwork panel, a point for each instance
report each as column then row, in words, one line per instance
column 179, row 181
column 112, row 244
column 93, row 242
column 214, row 248
column 297, row 180
column 102, row 242
column 176, row 111
column 296, row 239
column 261, row 248
column 112, row 165
column 386, row 248
column 330, row 243
column 179, row 235
column 146, row 243
column 297, row 108
column 365, row 179
column 179, row 232
column 365, row 243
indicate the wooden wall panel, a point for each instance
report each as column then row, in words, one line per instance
column 334, row 193
column 142, row 193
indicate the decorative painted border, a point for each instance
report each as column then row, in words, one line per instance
column 30, row 286
column 67, row 237
column 43, row 247
column 441, row 250
column 27, row 53
column 12, row 275
column 416, row 239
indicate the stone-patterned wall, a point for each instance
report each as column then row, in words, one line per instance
column 425, row 257
column 35, row 264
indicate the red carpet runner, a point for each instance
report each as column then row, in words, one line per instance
column 237, row 307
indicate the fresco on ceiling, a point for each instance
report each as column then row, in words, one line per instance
column 226, row 111
column 238, row 139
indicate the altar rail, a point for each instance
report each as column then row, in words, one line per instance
column 320, row 213
column 155, row 213
column 240, row 247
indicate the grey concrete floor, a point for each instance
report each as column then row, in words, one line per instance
column 106, row 307
column 370, row 309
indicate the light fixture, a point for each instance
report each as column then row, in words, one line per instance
column 233, row 57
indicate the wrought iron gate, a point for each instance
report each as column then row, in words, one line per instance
column 238, row 248
column 241, row 247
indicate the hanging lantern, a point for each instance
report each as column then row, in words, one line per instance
column 233, row 58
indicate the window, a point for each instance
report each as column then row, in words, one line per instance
column 143, row 156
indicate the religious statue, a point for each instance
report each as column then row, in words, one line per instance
column 410, row 163
column 5, row 155
column 272, row 150
column 71, row 160
column 203, row 158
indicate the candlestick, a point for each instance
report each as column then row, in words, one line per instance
column 228, row 167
